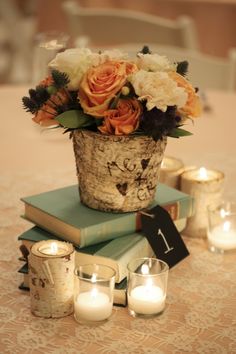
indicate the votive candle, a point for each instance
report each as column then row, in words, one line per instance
column 206, row 186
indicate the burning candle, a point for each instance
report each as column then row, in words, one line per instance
column 206, row 186
column 93, row 305
column 147, row 285
column 222, row 227
column 93, row 293
column 147, row 299
column 53, row 248
column 51, row 278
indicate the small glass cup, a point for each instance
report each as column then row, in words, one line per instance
column 221, row 233
column 147, row 286
column 93, row 293
column 46, row 47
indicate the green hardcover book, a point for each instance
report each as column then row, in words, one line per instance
column 115, row 253
column 119, row 294
column 60, row 212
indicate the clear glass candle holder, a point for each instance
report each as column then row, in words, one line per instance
column 147, row 287
column 221, row 233
column 93, row 293
column 46, row 46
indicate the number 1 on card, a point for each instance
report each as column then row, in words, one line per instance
column 168, row 248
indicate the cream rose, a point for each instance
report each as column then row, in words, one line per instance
column 100, row 85
column 154, row 62
column 158, row 90
column 124, row 119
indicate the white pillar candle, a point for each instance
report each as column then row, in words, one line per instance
column 171, row 169
column 206, row 186
column 223, row 236
column 92, row 305
column 146, row 299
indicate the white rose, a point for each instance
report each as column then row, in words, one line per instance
column 74, row 62
column 154, row 62
column 158, row 89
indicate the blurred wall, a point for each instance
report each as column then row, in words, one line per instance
column 215, row 20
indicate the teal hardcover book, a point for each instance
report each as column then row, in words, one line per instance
column 115, row 253
column 61, row 212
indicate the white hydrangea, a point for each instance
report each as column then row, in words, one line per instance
column 158, row 89
column 154, row 62
column 75, row 62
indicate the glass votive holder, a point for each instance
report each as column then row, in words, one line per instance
column 46, row 46
column 93, row 293
column 147, row 286
column 221, row 233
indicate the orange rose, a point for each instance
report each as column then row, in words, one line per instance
column 101, row 83
column 46, row 115
column 124, row 119
column 192, row 107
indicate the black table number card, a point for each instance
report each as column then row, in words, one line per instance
column 163, row 235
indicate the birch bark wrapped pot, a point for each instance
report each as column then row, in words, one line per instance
column 117, row 173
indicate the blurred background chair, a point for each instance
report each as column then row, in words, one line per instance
column 100, row 26
column 205, row 71
column 16, row 38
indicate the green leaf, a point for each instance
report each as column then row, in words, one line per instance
column 178, row 132
column 74, row 119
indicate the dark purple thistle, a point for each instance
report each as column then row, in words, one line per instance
column 156, row 123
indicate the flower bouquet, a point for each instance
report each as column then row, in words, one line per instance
column 119, row 112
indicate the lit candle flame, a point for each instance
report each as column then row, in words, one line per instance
column 203, row 173
column 145, row 269
column 223, row 213
column 94, row 278
column 54, row 248
column 226, row 226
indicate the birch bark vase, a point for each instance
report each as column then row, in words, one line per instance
column 117, row 173
column 51, row 280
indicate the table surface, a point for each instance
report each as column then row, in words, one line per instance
column 200, row 315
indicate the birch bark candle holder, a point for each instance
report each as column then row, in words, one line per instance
column 51, row 278
column 171, row 170
column 206, row 186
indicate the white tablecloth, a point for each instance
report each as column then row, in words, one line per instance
column 200, row 315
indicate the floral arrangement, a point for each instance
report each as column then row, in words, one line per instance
column 110, row 93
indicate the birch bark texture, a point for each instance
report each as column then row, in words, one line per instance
column 117, row 173
column 51, row 280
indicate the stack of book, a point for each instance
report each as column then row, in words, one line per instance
column 99, row 237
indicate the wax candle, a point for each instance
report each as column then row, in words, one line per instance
column 92, row 305
column 146, row 299
column 223, row 236
column 93, row 292
column 206, row 187
column 53, row 248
